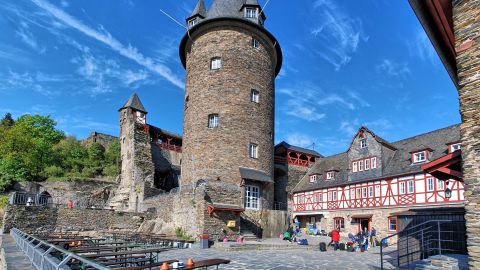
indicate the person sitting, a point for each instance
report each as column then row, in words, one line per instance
column 287, row 236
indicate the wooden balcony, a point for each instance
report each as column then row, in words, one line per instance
column 292, row 161
column 170, row 147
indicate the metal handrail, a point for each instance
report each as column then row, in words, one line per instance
column 41, row 258
column 435, row 223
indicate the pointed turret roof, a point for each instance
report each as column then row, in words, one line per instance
column 252, row 3
column 134, row 103
column 199, row 10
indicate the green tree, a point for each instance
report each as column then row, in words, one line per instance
column 7, row 120
column 112, row 159
column 95, row 161
column 71, row 155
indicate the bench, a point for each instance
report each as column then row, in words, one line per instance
column 147, row 266
column 207, row 263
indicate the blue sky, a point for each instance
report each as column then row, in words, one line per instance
column 346, row 64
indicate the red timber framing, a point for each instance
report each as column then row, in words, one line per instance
column 212, row 208
column 296, row 158
column 446, row 167
column 380, row 193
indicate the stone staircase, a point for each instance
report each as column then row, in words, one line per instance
column 441, row 262
column 248, row 234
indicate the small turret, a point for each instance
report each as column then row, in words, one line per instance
column 198, row 13
column 137, row 108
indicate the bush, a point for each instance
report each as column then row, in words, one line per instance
column 54, row 171
column 4, row 200
column 111, row 170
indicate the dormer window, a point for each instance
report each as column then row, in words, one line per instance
column 330, row 175
column 192, row 22
column 363, row 143
column 419, row 156
column 314, row 178
column 250, row 13
column 454, row 147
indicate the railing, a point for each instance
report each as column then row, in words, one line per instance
column 46, row 256
column 25, row 198
column 293, row 161
column 171, row 147
column 434, row 237
column 280, row 206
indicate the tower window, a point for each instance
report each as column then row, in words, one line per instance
column 216, row 63
column 254, row 96
column 192, row 22
column 255, row 43
column 363, row 143
column 253, row 150
column 250, row 13
column 213, row 121
column 252, row 197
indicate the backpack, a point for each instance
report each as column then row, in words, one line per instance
column 342, row 246
column 303, row 242
column 323, row 246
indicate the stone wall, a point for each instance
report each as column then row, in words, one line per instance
column 33, row 218
column 466, row 21
column 96, row 137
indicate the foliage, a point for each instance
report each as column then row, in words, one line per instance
column 34, row 150
column 182, row 235
column 4, row 200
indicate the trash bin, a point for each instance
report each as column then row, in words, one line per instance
column 203, row 240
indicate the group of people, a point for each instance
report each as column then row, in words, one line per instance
column 363, row 240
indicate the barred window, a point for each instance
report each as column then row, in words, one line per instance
column 213, row 121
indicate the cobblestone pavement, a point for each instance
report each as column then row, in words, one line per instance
column 284, row 259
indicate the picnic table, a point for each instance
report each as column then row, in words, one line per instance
column 146, row 266
column 125, row 254
column 86, row 249
column 63, row 240
column 207, row 263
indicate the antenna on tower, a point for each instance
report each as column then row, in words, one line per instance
column 264, row 6
column 177, row 22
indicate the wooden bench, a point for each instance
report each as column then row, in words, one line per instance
column 147, row 266
column 207, row 263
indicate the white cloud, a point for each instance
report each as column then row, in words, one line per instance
column 338, row 32
column 379, row 126
column 356, row 96
column 106, row 38
column 421, row 47
column 334, row 98
column 64, row 3
column 393, row 69
column 300, row 139
column 28, row 38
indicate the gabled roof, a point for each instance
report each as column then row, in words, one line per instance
column 134, row 103
column 199, row 10
column 375, row 136
column 399, row 164
column 298, row 149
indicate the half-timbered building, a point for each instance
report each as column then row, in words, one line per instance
column 364, row 186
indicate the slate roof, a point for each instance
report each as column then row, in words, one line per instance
column 199, row 10
column 134, row 103
column 252, row 174
column 223, row 9
column 298, row 149
column 399, row 164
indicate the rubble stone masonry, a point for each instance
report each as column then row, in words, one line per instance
column 466, row 20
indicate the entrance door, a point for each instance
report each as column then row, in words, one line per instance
column 364, row 224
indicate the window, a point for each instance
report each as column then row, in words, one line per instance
column 419, row 157
column 367, row 164
column 364, row 192
column 359, row 193
column 354, row 166
column 402, row 187
column 318, row 197
column 363, row 143
column 430, row 185
column 373, row 163
column 330, row 175
column 441, row 185
column 360, row 165
column 140, row 117
column 253, row 150
column 301, row 199
column 339, row 223
column 352, row 193
column 454, row 147
column 411, row 186
column 252, row 197
column 192, row 22
column 370, row 191
column 377, row 191
column 255, row 43
column 392, row 224
column 329, row 196
column 313, row 178
column 254, row 96
column 334, row 195
column 213, row 121
column 216, row 63
column 250, row 13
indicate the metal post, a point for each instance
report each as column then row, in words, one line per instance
column 381, row 256
column 421, row 247
column 408, row 252
column 439, row 239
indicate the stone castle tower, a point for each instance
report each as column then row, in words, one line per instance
column 231, row 62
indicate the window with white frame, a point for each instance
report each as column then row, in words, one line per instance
column 363, row 143
column 411, row 186
column 420, row 156
column 339, row 223
column 192, row 22
column 440, row 185
column 216, row 63
column 318, row 197
column 334, row 194
column 367, row 164
column 364, row 192
column 370, row 192
column 255, row 43
column 392, row 224
column 430, row 184
column 377, row 191
column 250, row 13
column 254, row 96
column 253, row 150
column 352, row 193
column 330, row 175
column 373, row 162
column 402, row 188
column 454, row 147
column 360, row 165
column 252, row 197
column 301, row 199
column 313, row 178
column 213, row 120
column 329, row 196
column 359, row 193
column 354, row 166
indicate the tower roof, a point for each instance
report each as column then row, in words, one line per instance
column 199, row 10
column 134, row 103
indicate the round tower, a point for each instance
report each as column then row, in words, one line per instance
column 231, row 62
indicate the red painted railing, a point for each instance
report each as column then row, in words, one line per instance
column 293, row 161
column 170, row 147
